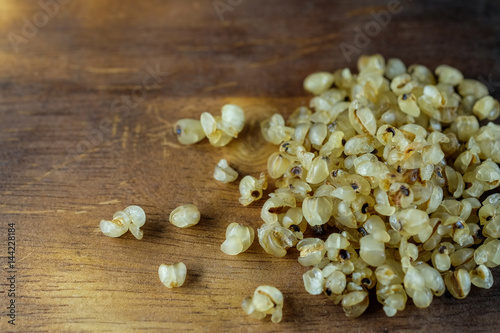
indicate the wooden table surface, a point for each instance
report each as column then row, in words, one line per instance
column 88, row 97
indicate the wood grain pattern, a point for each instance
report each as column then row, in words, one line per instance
column 83, row 134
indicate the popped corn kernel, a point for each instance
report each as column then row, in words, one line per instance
column 189, row 131
column 173, row 276
column 266, row 300
column 318, row 83
column 131, row 218
column 238, row 239
column 251, row 189
column 224, row 173
column 185, row 216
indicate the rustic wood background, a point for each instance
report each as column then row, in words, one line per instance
column 83, row 134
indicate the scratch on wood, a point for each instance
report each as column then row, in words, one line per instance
column 220, row 86
column 160, row 129
column 30, row 212
column 319, row 39
column 103, row 70
column 167, row 143
column 26, row 256
column 110, row 202
column 116, row 120
column 165, row 150
column 17, row 130
column 109, row 70
column 150, row 108
column 124, row 137
column 160, row 118
column 57, row 167
column 287, row 40
column 292, row 56
column 127, row 87
column 137, row 132
column 192, row 48
column 81, row 212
